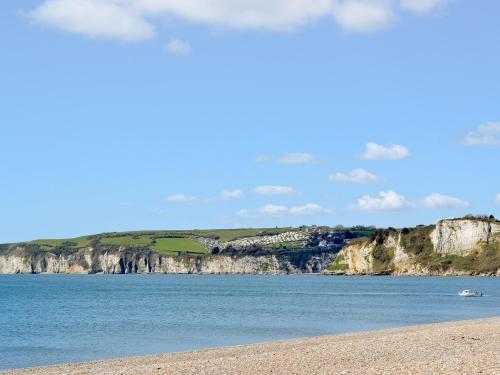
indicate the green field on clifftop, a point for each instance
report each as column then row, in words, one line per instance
column 164, row 242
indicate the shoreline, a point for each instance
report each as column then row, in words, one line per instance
column 458, row 347
column 327, row 274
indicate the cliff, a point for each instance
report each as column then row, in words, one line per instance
column 232, row 251
column 466, row 246
column 463, row 246
column 122, row 261
column 461, row 236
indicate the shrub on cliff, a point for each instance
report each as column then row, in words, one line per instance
column 383, row 259
column 417, row 242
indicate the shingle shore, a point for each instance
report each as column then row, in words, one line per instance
column 465, row 347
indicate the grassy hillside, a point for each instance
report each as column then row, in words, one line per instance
column 162, row 242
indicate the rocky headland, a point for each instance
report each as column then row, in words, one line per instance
column 466, row 246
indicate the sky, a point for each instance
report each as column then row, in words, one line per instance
column 172, row 114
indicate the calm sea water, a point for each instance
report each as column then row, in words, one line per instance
column 54, row 319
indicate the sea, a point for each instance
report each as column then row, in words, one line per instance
column 50, row 319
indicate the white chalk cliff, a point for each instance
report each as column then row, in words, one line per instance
column 452, row 237
column 88, row 260
column 460, row 237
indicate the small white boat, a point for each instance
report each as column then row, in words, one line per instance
column 468, row 293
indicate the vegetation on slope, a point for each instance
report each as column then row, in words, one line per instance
column 489, row 218
column 417, row 243
column 383, row 254
column 172, row 246
column 485, row 260
column 174, row 242
column 338, row 264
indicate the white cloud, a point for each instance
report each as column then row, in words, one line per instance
column 309, row 209
column 296, row 158
column 363, row 15
column 178, row 47
column 95, row 18
column 267, row 210
column 289, row 158
column 485, row 135
column 277, row 15
column 231, row 194
column 281, row 210
column 358, row 175
column 274, row 190
column 182, row 198
column 386, row 201
column 135, row 19
column 374, row 151
column 223, row 195
column 437, row 200
column 391, row 201
column 498, row 198
column 422, row 6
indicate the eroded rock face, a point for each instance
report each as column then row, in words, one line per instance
column 401, row 258
column 358, row 257
column 123, row 261
column 460, row 237
column 107, row 263
column 11, row 264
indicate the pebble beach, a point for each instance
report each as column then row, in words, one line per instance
column 464, row 347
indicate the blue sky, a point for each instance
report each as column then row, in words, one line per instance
column 151, row 114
